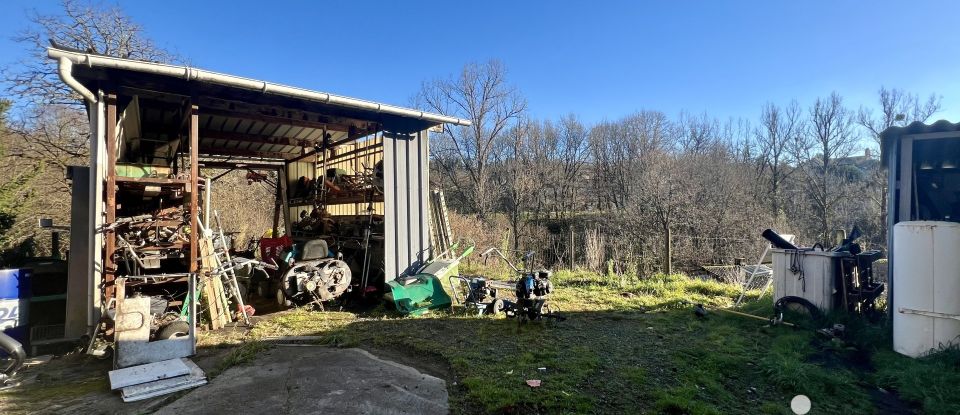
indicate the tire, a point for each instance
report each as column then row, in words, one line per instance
column 173, row 330
column 797, row 306
column 263, row 289
column 107, row 353
column 260, row 283
column 496, row 307
column 282, row 300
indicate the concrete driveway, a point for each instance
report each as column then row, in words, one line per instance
column 305, row 379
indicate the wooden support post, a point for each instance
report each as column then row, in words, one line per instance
column 277, row 205
column 110, row 196
column 193, row 186
column 284, row 202
column 572, row 261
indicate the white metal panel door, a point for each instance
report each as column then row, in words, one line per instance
column 406, row 190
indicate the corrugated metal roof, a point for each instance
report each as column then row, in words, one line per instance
column 269, row 138
column 892, row 135
column 90, row 69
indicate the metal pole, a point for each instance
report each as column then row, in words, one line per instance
column 55, row 244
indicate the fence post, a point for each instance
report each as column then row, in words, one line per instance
column 668, row 253
column 572, row 262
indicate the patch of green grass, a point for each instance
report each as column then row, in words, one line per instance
column 933, row 381
column 684, row 400
column 634, row 346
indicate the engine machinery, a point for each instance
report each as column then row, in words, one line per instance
column 312, row 276
column 532, row 291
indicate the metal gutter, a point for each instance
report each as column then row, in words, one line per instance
column 67, row 59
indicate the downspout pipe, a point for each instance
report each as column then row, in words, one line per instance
column 65, row 71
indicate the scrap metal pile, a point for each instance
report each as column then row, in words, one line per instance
column 820, row 280
column 337, row 186
column 154, row 294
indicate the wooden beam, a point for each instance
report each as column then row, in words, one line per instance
column 194, row 176
column 355, row 136
column 256, row 138
column 352, row 137
column 341, row 156
column 273, row 119
column 214, row 151
column 110, row 212
column 278, row 203
column 282, row 181
column 238, row 165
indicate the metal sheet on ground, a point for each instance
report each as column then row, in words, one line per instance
column 195, row 378
column 147, row 373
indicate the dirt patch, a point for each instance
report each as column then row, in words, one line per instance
column 887, row 402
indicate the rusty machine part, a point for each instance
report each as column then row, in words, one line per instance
column 314, row 282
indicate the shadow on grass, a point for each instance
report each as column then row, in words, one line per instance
column 627, row 361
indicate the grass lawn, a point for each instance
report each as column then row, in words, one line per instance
column 638, row 348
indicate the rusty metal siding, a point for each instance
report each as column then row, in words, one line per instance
column 406, row 189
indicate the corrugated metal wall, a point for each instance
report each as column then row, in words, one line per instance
column 406, row 203
column 294, row 172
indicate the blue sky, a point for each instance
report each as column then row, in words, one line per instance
column 596, row 59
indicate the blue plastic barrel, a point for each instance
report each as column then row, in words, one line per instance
column 14, row 303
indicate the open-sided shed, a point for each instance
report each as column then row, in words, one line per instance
column 185, row 120
column 923, row 178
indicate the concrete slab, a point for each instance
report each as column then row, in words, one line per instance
column 308, row 380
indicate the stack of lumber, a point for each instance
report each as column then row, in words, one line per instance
column 211, row 286
column 440, row 234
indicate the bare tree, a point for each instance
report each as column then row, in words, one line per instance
column 779, row 127
column 830, row 135
column 622, row 150
column 51, row 130
column 696, row 134
column 515, row 174
column 82, row 26
column 481, row 94
column 666, row 193
column 897, row 108
column 566, row 148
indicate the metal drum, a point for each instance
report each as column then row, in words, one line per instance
column 14, row 301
